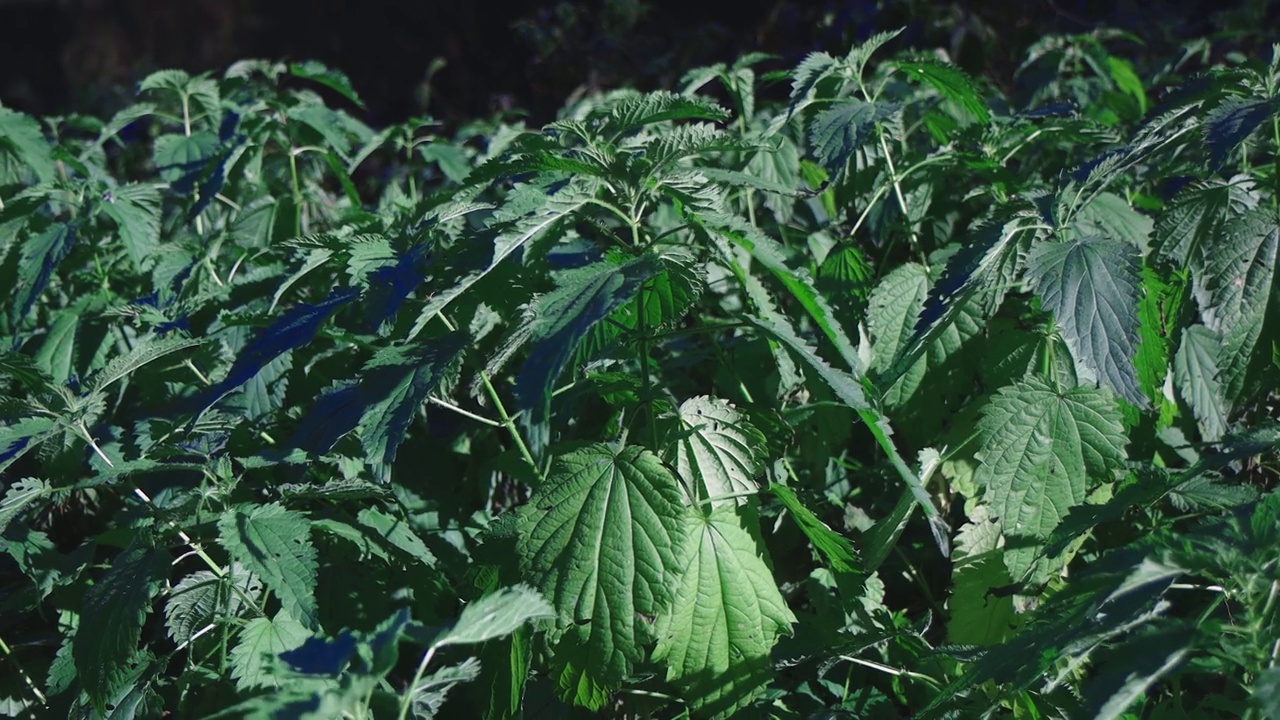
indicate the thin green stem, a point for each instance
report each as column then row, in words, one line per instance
column 407, row 700
column 17, row 664
column 646, row 379
column 902, row 201
column 507, row 421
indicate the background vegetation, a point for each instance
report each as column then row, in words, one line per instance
column 844, row 383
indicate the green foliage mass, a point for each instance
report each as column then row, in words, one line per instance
column 876, row 396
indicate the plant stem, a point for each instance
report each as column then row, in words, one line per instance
column 407, row 700
column 507, row 420
column 646, row 380
column 17, row 664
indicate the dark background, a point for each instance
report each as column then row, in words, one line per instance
column 60, row 56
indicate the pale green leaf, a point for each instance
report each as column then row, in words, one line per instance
column 57, row 353
column 951, row 83
column 831, row 545
column 1235, row 287
column 1195, row 375
column 275, row 544
column 257, row 645
column 602, row 538
column 717, row 450
column 21, row 135
column 1043, row 450
column 1108, row 215
column 397, row 532
column 1090, row 284
column 143, row 353
column 135, row 208
column 20, row 497
column 726, row 616
column 497, row 614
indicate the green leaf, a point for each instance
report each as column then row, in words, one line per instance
column 717, row 451
column 893, row 308
column 815, row 67
column 602, row 539
column 1091, row 286
column 771, row 254
column 1195, row 375
column 951, row 83
column 1108, row 215
column 181, row 159
column 20, row 497
column 257, row 645
column 145, row 352
column 401, row 378
column 335, row 80
column 1192, row 222
column 106, row 643
column 21, row 135
column 846, row 387
column 275, row 544
column 1235, row 286
column 561, row 319
column 496, row 615
column 840, row 130
column 543, row 208
column 1229, row 124
column 634, row 111
column 979, row 616
column 57, row 354
column 40, row 256
column 135, row 209
column 398, row 533
column 725, row 618
column 831, row 545
column 1042, row 451
column 202, row 599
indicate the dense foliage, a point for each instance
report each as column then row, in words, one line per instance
column 891, row 398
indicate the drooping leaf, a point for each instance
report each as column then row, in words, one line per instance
column 275, row 544
column 561, row 319
column 335, row 80
column 727, row 613
column 1195, row 375
column 1090, row 285
column 142, row 354
column 21, row 135
column 258, row 642
column 497, row 615
column 633, row 111
column 1235, row 287
column 292, row 330
column 397, row 381
column 1043, row 450
column 106, row 646
column 840, row 130
column 1191, row 223
column 771, row 254
column 398, row 533
column 951, row 83
column 40, row 256
column 1227, row 125
column 717, row 451
column 831, row 545
column 135, row 208
column 1111, row 217
column 57, row 354
column 602, row 539
column 530, row 211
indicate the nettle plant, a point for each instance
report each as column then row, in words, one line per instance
column 634, row 412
